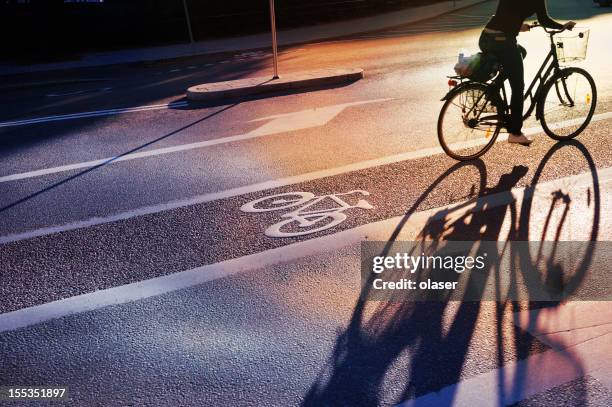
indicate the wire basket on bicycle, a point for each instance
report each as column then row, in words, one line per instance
column 573, row 46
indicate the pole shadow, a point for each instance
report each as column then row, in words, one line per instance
column 112, row 160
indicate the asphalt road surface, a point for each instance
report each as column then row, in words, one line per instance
column 136, row 270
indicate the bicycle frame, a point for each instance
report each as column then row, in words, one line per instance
column 476, row 109
column 549, row 68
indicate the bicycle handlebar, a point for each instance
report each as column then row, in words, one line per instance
column 551, row 31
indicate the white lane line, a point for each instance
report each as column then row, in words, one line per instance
column 283, row 123
column 277, row 124
column 161, row 285
column 229, row 193
column 214, row 196
column 376, row 231
column 96, row 113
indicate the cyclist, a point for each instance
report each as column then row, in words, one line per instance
column 499, row 39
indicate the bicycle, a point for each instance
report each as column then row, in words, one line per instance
column 484, row 109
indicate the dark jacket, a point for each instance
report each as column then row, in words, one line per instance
column 511, row 14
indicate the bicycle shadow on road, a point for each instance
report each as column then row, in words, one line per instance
column 397, row 349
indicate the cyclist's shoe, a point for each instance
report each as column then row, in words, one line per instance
column 519, row 139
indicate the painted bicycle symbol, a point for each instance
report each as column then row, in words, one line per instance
column 313, row 213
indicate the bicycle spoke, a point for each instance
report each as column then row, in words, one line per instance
column 571, row 102
column 466, row 123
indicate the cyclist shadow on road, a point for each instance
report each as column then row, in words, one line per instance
column 395, row 350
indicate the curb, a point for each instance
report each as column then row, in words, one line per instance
column 258, row 86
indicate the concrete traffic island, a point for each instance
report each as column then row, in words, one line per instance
column 299, row 81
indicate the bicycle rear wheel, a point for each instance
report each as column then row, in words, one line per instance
column 469, row 122
column 567, row 104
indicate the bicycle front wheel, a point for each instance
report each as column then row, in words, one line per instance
column 567, row 104
column 469, row 122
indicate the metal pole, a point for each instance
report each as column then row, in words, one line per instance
column 274, row 43
column 188, row 19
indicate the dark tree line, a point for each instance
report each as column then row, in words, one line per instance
column 53, row 28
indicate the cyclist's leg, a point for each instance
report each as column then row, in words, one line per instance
column 511, row 56
column 512, row 60
column 493, row 44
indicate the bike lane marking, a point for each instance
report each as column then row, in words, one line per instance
column 282, row 123
column 215, row 196
column 309, row 212
column 375, row 231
